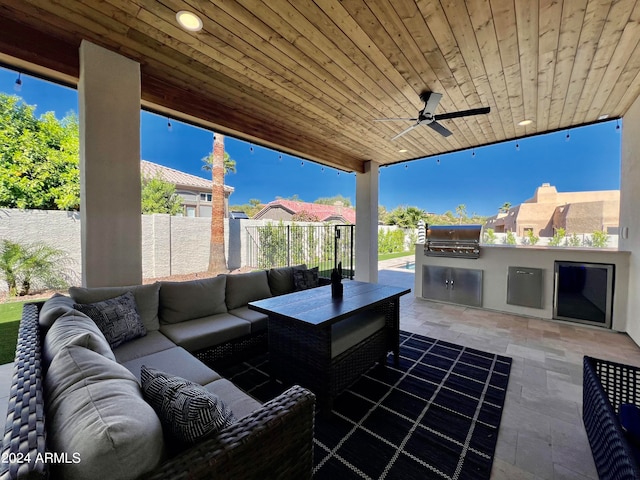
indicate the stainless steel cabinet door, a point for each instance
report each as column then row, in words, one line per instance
column 465, row 286
column 435, row 283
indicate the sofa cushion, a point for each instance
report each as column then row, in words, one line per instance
column 180, row 301
column 188, row 412
column 99, row 418
column 259, row 321
column 75, row 328
column 281, row 279
column 152, row 342
column 352, row 330
column 205, row 332
column 304, row 279
column 176, row 361
column 239, row 402
column 117, row 317
column 147, row 299
column 243, row 288
column 53, row 308
column 629, row 415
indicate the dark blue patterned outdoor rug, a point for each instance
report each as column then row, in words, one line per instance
column 435, row 416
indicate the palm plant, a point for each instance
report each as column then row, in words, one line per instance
column 219, row 163
column 24, row 265
column 10, row 260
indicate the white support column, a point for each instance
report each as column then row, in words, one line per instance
column 109, row 104
column 629, row 218
column 367, row 223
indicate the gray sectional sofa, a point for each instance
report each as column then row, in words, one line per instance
column 77, row 409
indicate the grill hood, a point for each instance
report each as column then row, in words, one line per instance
column 461, row 241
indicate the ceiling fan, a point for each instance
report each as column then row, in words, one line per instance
column 426, row 116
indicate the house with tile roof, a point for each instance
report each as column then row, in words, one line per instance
column 292, row 210
column 195, row 191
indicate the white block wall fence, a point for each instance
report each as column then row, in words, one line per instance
column 170, row 245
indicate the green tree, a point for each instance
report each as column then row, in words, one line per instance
column 159, row 196
column 336, row 199
column 531, row 237
column 391, row 241
column 251, row 208
column 510, row 238
column 38, row 158
column 558, row 237
column 505, row 207
column 461, row 210
column 382, row 213
column 599, row 239
column 405, row 217
column 574, row 240
column 489, row 236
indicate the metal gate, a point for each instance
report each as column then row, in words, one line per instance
column 321, row 246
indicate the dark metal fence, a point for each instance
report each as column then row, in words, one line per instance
column 321, row 246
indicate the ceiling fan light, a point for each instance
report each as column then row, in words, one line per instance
column 524, row 123
column 189, row 21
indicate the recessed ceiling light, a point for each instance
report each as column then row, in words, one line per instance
column 524, row 123
column 602, row 117
column 189, row 21
column 404, row 150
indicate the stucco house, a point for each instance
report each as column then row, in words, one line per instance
column 548, row 210
column 289, row 209
column 195, row 191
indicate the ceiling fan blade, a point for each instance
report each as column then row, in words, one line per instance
column 440, row 129
column 463, row 113
column 395, row 119
column 431, row 101
column 406, row 130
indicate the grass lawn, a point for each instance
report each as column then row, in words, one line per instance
column 389, row 256
column 10, row 314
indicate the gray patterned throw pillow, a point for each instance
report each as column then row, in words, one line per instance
column 117, row 318
column 187, row 411
column 305, row 278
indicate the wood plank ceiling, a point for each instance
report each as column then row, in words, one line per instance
column 309, row 77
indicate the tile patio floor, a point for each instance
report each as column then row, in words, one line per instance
column 541, row 435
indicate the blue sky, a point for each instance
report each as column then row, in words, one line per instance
column 588, row 160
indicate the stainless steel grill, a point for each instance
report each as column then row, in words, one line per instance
column 461, row 241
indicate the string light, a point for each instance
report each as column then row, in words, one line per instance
column 406, row 167
column 18, row 85
column 280, row 157
column 473, row 152
column 251, row 148
column 567, row 137
column 517, row 146
column 302, row 164
column 438, row 161
column 169, row 126
column 617, row 124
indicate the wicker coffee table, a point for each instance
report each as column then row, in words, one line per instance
column 301, row 330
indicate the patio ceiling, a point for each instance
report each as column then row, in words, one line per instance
column 309, row 77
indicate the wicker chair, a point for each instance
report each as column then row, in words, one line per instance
column 275, row 441
column 606, row 386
